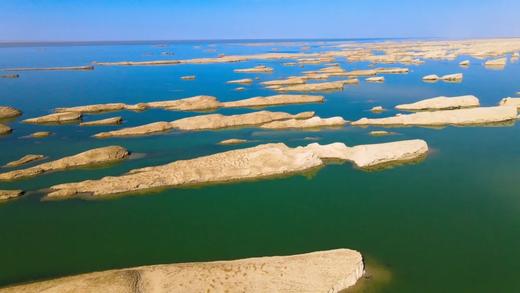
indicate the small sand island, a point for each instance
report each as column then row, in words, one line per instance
column 318, row 87
column 232, row 141
column 257, row 162
column 322, row 271
column 88, row 158
column 108, row 121
column 256, row 69
column 63, row 68
column 274, row 100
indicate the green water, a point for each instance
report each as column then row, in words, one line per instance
column 450, row 223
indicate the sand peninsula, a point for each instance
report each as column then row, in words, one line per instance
column 24, row 160
column 96, row 156
column 257, row 162
column 322, row 271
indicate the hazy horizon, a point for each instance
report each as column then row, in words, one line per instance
column 183, row 20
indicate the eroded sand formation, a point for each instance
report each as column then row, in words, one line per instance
column 460, row 117
column 7, row 112
column 91, row 157
column 24, row 160
column 244, row 164
column 232, row 141
column 274, row 100
column 515, row 102
column 206, row 122
column 318, row 87
column 441, row 103
column 323, row 271
column 61, row 117
column 4, row 129
column 314, row 122
column 10, row 194
column 107, row 121
column 256, row 69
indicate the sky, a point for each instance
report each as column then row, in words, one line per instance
column 117, row 20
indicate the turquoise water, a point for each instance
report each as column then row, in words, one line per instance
column 450, row 223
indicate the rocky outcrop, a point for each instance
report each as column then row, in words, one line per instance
column 232, row 141
column 441, row 103
column 24, row 160
column 431, row 78
column 273, row 101
column 318, row 87
column 64, row 68
column 314, row 122
column 515, row 102
column 91, row 157
column 4, row 129
column 40, row 134
column 61, row 117
column 456, row 77
column 243, row 164
column 256, row 69
column 107, row 121
column 205, row 122
column 323, row 271
column 460, row 117
column 241, row 81
column 10, row 194
column 7, row 112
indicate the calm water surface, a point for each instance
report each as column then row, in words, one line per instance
column 448, row 224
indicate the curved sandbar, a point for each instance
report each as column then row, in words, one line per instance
column 313, row 122
column 9, row 112
column 274, row 100
column 4, row 129
column 55, row 118
column 317, row 87
column 323, row 271
column 204, row 122
column 24, row 160
column 442, row 103
column 91, row 157
column 460, row 117
column 66, row 68
column 243, row 164
column 10, row 194
column 107, row 121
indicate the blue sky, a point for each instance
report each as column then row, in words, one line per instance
column 87, row 20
